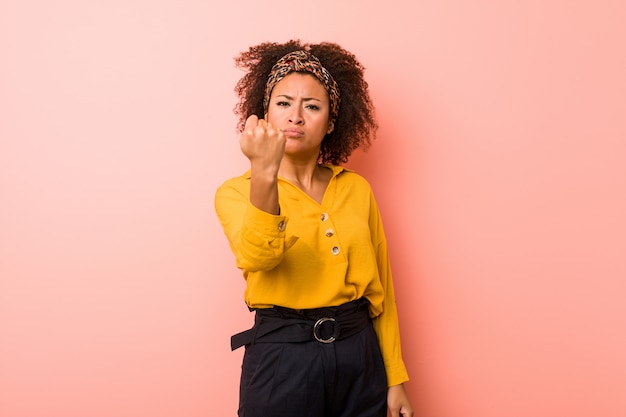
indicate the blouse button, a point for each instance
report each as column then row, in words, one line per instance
column 281, row 225
column 329, row 232
column 335, row 250
column 324, row 217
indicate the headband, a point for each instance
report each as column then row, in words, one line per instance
column 303, row 61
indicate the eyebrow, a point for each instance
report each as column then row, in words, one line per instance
column 304, row 99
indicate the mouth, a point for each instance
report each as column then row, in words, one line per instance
column 293, row 133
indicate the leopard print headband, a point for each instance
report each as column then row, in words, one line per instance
column 303, row 61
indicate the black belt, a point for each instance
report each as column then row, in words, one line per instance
column 325, row 325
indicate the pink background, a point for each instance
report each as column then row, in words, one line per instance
column 499, row 168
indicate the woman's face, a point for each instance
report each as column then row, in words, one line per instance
column 300, row 108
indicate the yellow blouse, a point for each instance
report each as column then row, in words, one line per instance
column 313, row 255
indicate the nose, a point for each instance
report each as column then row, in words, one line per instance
column 296, row 115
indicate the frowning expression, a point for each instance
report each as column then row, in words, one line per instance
column 300, row 108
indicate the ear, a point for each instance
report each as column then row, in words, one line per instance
column 331, row 127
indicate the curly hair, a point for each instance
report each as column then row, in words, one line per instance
column 355, row 126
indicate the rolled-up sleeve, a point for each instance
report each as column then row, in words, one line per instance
column 258, row 239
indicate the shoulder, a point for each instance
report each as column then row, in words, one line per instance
column 236, row 181
column 348, row 177
column 239, row 184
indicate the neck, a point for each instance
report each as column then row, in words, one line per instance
column 300, row 172
column 310, row 177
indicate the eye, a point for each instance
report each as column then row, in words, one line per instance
column 282, row 103
column 312, row 107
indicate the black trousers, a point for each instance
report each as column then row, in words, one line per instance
column 343, row 378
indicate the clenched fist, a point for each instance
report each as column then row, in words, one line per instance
column 262, row 144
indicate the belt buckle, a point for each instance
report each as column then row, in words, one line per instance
column 317, row 325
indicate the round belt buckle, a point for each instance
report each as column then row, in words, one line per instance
column 317, row 325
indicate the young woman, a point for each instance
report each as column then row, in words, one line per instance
column 309, row 239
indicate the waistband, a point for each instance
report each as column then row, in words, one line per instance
column 286, row 325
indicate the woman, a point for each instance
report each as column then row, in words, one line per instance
column 308, row 236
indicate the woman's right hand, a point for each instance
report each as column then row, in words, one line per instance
column 263, row 145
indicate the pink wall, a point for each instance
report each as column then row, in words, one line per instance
column 499, row 169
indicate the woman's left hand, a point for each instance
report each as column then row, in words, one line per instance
column 398, row 402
